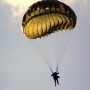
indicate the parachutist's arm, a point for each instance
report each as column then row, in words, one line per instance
column 52, row 75
column 57, row 72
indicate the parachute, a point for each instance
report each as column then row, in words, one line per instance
column 45, row 23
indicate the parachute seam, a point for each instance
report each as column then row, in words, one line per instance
column 65, row 22
column 57, row 24
column 41, row 25
column 50, row 25
column 37, row 25
column 62, row 22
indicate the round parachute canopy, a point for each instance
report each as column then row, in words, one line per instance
column 47, row 16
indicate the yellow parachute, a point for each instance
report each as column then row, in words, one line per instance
column 47, row 16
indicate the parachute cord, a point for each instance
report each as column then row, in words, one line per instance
column 46, row 62
column 57, row 69
column 43, row 58
column 59, row 60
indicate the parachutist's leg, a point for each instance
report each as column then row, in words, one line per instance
column 55, row 82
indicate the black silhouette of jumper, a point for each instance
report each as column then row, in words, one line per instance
column 55, row 77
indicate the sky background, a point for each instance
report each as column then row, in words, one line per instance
column 22, row 68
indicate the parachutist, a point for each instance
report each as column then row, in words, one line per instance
column 55, row 77
column 45, row 17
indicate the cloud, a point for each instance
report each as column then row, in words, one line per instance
column 18, row 6
column 71, row 2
